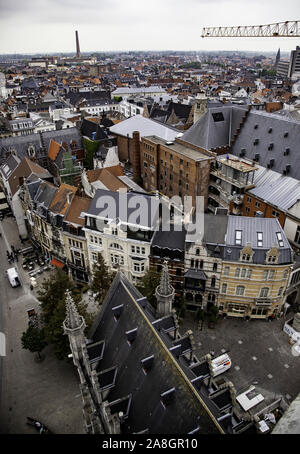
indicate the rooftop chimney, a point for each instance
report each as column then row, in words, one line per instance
column 77, row 45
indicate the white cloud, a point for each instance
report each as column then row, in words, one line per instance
column 49, row 25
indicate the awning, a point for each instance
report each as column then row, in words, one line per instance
column 57, row 263
column 3, row 206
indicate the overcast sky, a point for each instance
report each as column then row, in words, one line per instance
column 33, row 26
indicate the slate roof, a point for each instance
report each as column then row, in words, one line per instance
column 169, row 240
column 145, row 126
column 249, row 226
column 138, row 392
column 9, row 165
column 45, row 194
column 276, row 189
column 88, row 128
column 208, row 133
column 284, row 134
column 64, row 135
column 74, row 98
column 110, row 205
column 215, row 228
column 20, row 145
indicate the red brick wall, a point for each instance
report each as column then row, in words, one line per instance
column 265, row 208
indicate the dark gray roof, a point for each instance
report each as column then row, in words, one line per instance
column 9, row 165
column 215, row 228
column 169, row 240
column 140, row 392
column 63, row 135
column 20, row 144
column 142, row 209
column 45, row 194
column 279, row 127
column 208, row 133
column 250, row 226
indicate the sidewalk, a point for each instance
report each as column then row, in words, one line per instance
column 47, row 391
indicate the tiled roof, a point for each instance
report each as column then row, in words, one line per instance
column 78, row 205
column 54, row 148
column 60, row 203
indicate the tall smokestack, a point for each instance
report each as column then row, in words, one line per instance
column 77, row 45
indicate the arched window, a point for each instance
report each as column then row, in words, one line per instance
column 197, row 251
column 213, row 281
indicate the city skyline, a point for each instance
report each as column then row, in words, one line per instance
column 48, row 26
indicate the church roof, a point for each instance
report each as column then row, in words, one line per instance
column 154, row 382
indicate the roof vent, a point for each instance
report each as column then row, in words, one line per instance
column 169, row 143
column 270, row 147
column 256, row 157
column 131, row 335
column 286, row 152
column 243, row 152
column 167, row 397
column 285, row 134
column 256, row 141
column 117, row 311
column 255, row 126
column 147, row 363
column 270, row 130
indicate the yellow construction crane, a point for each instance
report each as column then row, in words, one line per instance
column 288, row 29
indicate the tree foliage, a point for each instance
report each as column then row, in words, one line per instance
column 148, row 285
column 102, row 279
column 52, row 296
column 34, row 340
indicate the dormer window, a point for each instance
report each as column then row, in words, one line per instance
column 167, row 397
column 238, row 237
column 279, row 238
column 259, row 239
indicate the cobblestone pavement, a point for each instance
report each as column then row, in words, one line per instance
column 259, row 350
column 49, row 390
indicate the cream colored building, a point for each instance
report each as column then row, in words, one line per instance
column 257, row 262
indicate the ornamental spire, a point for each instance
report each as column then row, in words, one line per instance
column 164, row 293
column 165, row 288
column 73, row 320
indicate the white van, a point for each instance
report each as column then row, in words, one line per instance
column 13, row 277
column 220, row 364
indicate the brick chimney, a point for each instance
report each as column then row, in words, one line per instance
column 136, row 160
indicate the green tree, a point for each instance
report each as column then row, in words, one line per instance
column 34, row 340
column 148, row 285
column 102, row 279
column 52, row 296
column 118, row 98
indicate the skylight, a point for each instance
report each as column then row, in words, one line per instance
column 218, row 116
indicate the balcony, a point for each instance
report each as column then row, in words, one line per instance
column 263, row 301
